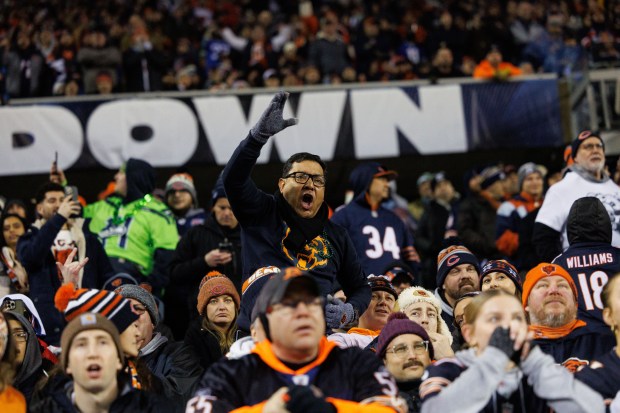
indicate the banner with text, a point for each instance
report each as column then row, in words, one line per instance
column 363, row 123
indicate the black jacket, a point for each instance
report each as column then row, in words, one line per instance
column 189, row 267
column 476, row 226
column 429, row 238
column 204, row 343
column 346, row 377
column 130, row 400
column 34, row 252
column 410, row 391
column 176, row 365
column 188, row 264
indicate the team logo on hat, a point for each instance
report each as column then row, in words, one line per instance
column 420, row 293
column 548, row 269
column 88, row 319
column 218, row 290
column 453, row 260
column 584, row 135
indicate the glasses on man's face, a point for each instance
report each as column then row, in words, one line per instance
column 287, row 306
column 592, row 146
column 401, row 350
column 20, row 336
column 302, row 178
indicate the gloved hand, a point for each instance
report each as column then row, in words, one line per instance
column 337, row 313
column 501, row 340
column 271, row 121
column 303, row 400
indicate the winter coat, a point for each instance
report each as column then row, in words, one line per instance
column 34, row 250
column 175, row 364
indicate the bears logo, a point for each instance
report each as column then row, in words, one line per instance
column 548, row 269
column 573, row 364
column 315, row 254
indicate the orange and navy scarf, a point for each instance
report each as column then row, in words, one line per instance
column 553, row 333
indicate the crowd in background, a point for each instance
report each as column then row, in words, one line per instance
column 99, row 47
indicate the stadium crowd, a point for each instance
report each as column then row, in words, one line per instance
column 55, row 48
column 143, row 301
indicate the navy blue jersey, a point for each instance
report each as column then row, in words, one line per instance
column 379, row 235
column 590, row 265
column 577, row 348
column 352, row 379
column 603, row 375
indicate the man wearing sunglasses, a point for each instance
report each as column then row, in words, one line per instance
column 292, row 227
column 406, row 350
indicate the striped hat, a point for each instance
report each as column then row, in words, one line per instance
column 114, row 307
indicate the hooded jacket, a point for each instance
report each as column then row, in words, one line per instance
column 590, row 259
column 140, row 179
column 380, row 237
column 537, row 385
column 138, row 231
column 31, row 370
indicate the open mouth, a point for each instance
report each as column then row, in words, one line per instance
column 307, row 200
column 93, row 370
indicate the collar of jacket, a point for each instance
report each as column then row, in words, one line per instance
column 264, row 350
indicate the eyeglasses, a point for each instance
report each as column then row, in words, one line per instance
column 591, row 146
column 401, row 350
column 288, row 306
column 20, row 336
column 302, row 178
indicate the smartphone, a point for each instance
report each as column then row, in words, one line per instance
column 55, row 164
column 225, row 246
column 72, row 191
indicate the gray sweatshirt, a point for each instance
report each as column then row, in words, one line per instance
column 470, row 384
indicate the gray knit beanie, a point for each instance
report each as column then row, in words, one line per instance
column 140, row 294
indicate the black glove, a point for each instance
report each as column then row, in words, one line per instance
column 271, row 121
column 500, row 339
column 303, row 400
